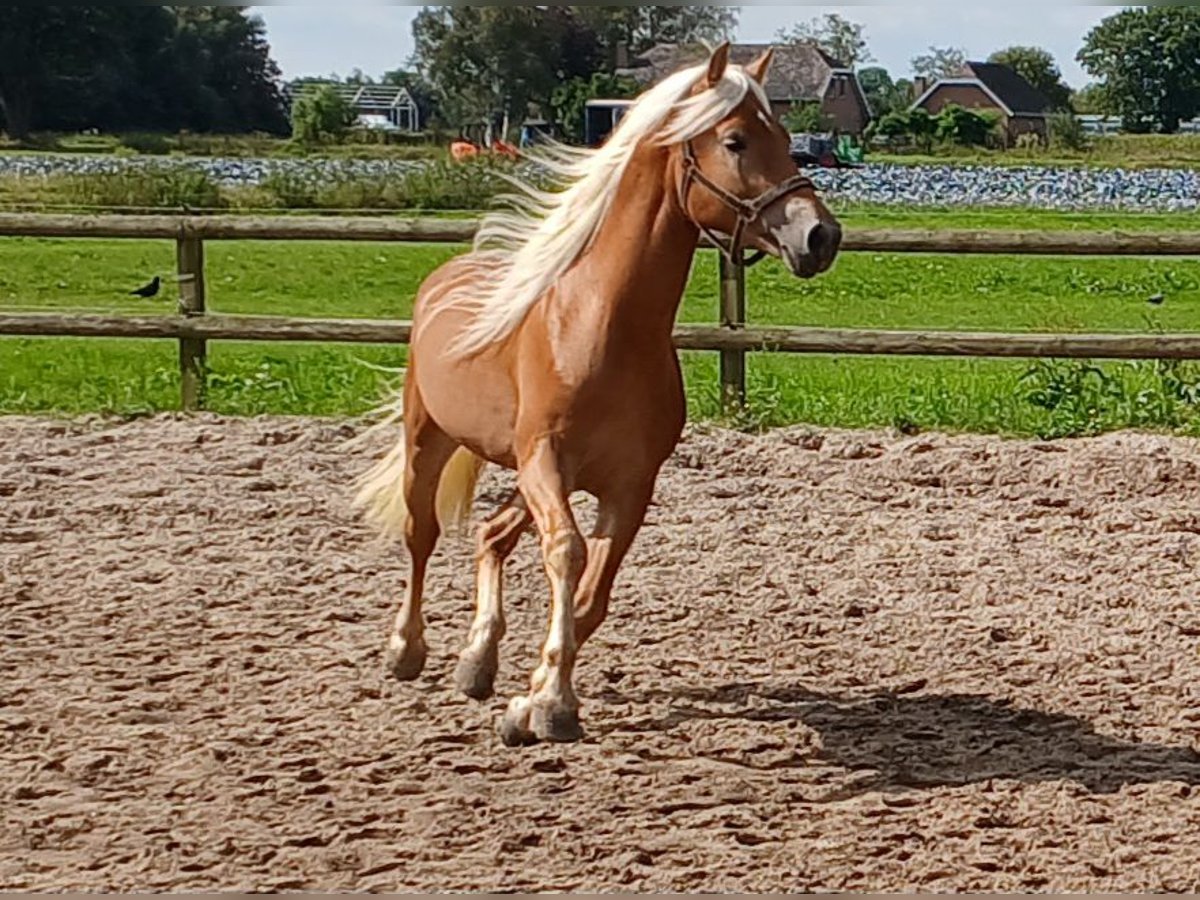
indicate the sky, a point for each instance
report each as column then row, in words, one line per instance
column 321, row 40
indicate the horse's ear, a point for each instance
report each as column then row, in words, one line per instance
column 716, row 65
column 758, row 69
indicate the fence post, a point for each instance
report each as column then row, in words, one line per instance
column 733, row 315
column 189, row 260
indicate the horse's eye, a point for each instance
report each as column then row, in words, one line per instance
column 734, row 143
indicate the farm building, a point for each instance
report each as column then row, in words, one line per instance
column 800, row 73
column 382, row 106
column 997, row 88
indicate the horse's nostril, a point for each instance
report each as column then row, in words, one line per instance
column 823, row 240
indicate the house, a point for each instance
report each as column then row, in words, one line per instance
column 384, row 107
column 1022, row 108
column 800, row 73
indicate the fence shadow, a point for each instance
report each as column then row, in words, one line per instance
column 932, row 740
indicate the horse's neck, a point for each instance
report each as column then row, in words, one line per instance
column 637, row 267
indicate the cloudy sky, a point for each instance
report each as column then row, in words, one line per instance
column 320, row 40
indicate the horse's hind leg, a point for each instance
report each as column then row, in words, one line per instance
column 428, row 449
column 476, row 672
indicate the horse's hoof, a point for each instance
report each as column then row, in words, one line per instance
column 405, row 659
column 555, row 723
column 514, row 727
column 475, row 676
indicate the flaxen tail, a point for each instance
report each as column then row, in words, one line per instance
column 381, row 492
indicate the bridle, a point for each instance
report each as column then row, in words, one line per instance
column 747, row 211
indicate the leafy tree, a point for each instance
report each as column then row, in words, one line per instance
column 140, row 66
column 939, row 62
column 641, row 27
column 1037, row 67
column 483, row 62
column 1066, row 131
column 45, row 52
column 839, row 37
column 221, row 54
column 967, row 127
column 1089, row 100
column 320, row 114
column 804, row 118
column 884, row 95
column 915, row 125
column 569, row 100
column 1147, row 60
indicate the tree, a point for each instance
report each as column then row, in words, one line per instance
column 804, row 118
column 639, row 28
column 569, row 100
column 967, row 127
column 485, row 62
column 939, row 62
column 47, row 50
column 884, row 95
column 1089, row 100
column 1037, row 67
column 1146, row 59
column 136, row 66
column 837, row 36
column 223, row 54
column 320, row 114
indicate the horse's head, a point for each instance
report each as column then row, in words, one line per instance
column 738, row 179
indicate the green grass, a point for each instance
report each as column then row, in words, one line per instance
column 864, row 290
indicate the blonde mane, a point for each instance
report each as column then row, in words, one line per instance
column 521, row 251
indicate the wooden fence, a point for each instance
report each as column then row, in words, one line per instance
column 193, row 326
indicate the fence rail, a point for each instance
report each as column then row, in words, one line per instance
column 686, row 337
column 452, row 231
column 194, row 326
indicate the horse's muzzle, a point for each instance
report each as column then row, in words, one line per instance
column 810, row 250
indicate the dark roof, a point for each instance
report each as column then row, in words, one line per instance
column 1013, row 90
column 798, row 71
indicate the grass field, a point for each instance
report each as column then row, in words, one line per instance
column 864, row 290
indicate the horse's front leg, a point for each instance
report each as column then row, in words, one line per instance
column 619, row 516
column 550, row 711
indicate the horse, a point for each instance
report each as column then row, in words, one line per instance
column 547, row 349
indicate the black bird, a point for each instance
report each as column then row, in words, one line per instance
column 1156, row 299
column 148, row 290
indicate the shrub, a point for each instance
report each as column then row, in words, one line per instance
column 804, row 118
column 320, row 115
column 1066, row 132
column 152, row 187
column 470, row 184
column 965, row 127
column 290, row 190
column 1028, row 143
column 1081, row 398
column 149, row 144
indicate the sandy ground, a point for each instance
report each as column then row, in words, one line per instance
column 834, row 661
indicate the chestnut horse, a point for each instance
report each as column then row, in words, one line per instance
column 547, row 349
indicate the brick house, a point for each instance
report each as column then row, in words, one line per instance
column 800, row 73
column 1022, row 108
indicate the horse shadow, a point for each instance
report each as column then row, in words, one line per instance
column 927, row 741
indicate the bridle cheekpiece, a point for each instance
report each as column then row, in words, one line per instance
column 747, row 211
